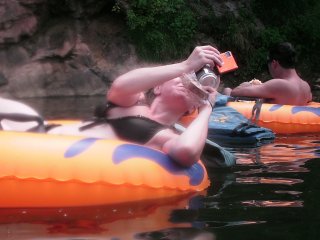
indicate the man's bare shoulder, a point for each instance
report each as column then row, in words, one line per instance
column 277, row 81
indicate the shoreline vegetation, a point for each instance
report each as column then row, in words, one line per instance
column 73, row 48
column 248, row 30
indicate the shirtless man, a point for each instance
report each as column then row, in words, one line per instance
column 286, row 87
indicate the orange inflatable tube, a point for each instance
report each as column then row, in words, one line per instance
column 284, row 119
column 40, row 170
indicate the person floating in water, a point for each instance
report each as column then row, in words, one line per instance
column 286, row 87
column 144, row 104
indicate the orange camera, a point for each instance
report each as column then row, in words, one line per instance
column 229, row 63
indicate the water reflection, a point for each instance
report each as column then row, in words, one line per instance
column 264, row 180
column 122, row 221
column 65, row 108
column 273, row 203
column 285, row 149
column 274, row 188
column 177, row 234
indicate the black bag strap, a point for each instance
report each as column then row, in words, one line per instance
column 19, row 117
column 240, row 130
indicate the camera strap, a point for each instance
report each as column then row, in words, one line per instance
column 256, row 109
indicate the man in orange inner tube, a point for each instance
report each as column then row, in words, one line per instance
column 286, row 87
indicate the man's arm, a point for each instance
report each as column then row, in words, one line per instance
column 269, row 89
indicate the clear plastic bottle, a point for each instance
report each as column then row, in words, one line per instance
column 207, row 77
column 190, row 82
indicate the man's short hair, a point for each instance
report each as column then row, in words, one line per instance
column 284, row 53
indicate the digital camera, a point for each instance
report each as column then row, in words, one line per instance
column 229, row 63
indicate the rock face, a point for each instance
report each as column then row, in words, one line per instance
column 56, row 48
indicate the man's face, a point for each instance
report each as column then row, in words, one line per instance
column 175, row 92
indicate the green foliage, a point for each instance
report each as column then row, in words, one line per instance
column 241, row 36
column 166, row 29
column 279, row 13
column 256, row 59
column 161, row 29
column 304, row 31
column 269, row 36
column 294, row 21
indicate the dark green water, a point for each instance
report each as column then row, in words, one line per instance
column 272, row 193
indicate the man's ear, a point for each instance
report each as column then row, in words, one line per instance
column 275, row 63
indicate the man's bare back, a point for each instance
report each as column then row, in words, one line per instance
column 291, row 92
column 286, row 87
